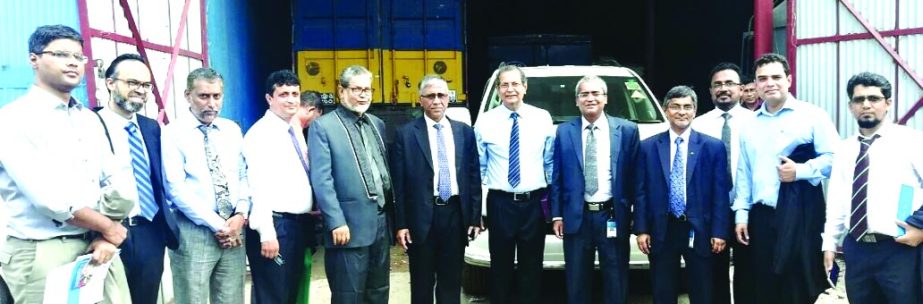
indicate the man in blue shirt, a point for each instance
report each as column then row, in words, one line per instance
column 786, row 151
column 514, row 143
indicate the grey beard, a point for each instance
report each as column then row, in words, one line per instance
column 128, row 106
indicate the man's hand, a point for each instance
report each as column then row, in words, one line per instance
column 269, row 249
column 558, row 228
column 644, row 243
column 743, row 236
column 717, row 245
column 829, row 259
column 340, row 235
column 115, row 233
column 403, row 238
column 473, row 232
column 235, row 223
column 227, row 239
column 912, row 238
column 103, row 251
column 786, row 170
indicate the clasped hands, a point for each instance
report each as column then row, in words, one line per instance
column 230, row 235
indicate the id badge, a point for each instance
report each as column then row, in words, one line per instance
column 611, row 231
column 691, row 238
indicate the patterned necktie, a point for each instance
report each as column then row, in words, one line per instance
column 860, row 180
column 219, row 181
column 678, row 181
column 726, row 137
column 589, row 163
column 301, row 155
column 513, row 174
column 445, row 179
column 141, row 168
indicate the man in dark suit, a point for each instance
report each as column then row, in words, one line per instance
column 135, row 140
column 684, row 210
column 352, row 187
column 592, row 184
column 438, row 195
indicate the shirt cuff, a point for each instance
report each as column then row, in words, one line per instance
column 742, row 216
column 829, row 245
column 267, row 233
column 557, row 219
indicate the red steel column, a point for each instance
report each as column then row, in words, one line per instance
column 762, row 27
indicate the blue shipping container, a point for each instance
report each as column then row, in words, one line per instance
column 425, row 25
column 336, row 25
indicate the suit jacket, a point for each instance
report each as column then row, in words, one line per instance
column 337, row 180
column 413, row 177
column 707, row 187
column 567, row 185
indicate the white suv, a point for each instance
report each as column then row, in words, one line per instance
column 552, row 88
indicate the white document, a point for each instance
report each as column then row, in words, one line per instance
column 78, row 282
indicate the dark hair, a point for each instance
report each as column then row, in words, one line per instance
column 208, row 74
column 281, row 78
column 724, row 66
column 680, row 92
column 310, row 99
column 113, row 67
column 868, row 79
column 770, row 58
column 43, row 35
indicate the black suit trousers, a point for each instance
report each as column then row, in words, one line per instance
column 665, row 267
column 516, row 228
column 437, row 260
column 143, row 256
column 274, row 283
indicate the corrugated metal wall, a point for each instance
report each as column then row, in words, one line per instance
column 18, row 19
column 825, row 64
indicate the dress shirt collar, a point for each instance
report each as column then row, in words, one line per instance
column 430, row 123
column 111, row 116
column 277, row 122
column 791, row 104
column 194, row 123
column 602, row 123
column 505, row 112
column 883, row 131
column 44, row 99
column 685, row 136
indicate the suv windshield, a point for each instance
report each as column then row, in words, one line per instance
column 627, row 98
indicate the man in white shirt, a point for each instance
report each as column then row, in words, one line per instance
column 207, row 182
column 875, row 185
column 54, row 166
column 725, row 122
column 277, row 170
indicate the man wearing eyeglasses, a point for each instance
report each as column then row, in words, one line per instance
column 514, row 146
column 724, row 122
column 874, row 189
column 437, row 185
column 785, row 153
column 55, row 166
column 593, row 184
column 135, row 140
column 352, row 188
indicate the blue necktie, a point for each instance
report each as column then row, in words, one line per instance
column 445, row 179
column 141, row 168
column 513, row 175
column 678, row 181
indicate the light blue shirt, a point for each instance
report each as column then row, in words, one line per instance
column 536, row 143
column 189, row 183
column 769, row 136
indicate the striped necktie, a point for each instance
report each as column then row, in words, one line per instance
column 857, row 219
column 141, row 168
column 513, row 174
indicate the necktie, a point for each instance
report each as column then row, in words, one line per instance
column 219, row 181
column 375, row 153
column 857, row 219
column 726, row 137
column 590, row 178
column 301, row 155
column 678, row 181
column 445, row 179
column 141, row 168
column 513, row 174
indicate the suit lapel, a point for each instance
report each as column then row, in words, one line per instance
column 459, row 141
column 615, row 144
column 423, row 141
column 576, row 137
column 151, row 140
column 663, row 149
column 692, row 158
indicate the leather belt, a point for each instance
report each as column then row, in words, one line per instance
column 292, row 216
column 135, row 221
column 519, row 196
column 875, row 238
column 598, row 206
column 86, row 236
column 439, row 202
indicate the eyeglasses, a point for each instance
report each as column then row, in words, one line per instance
column 63, row 55
column 432, row 96
column 871, row 99
column 134, row 84
column 510, row 85
column 588, row 94
column 676, row 107
column 361, row 91
column 729, row 84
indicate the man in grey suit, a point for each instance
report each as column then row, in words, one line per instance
column 353, row 189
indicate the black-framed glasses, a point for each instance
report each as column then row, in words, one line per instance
column 360, row 91
column 432, row 96
column 63, row 55
column 134, row 84
column 870, row 98
column 593, row 93
column 728, row 84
